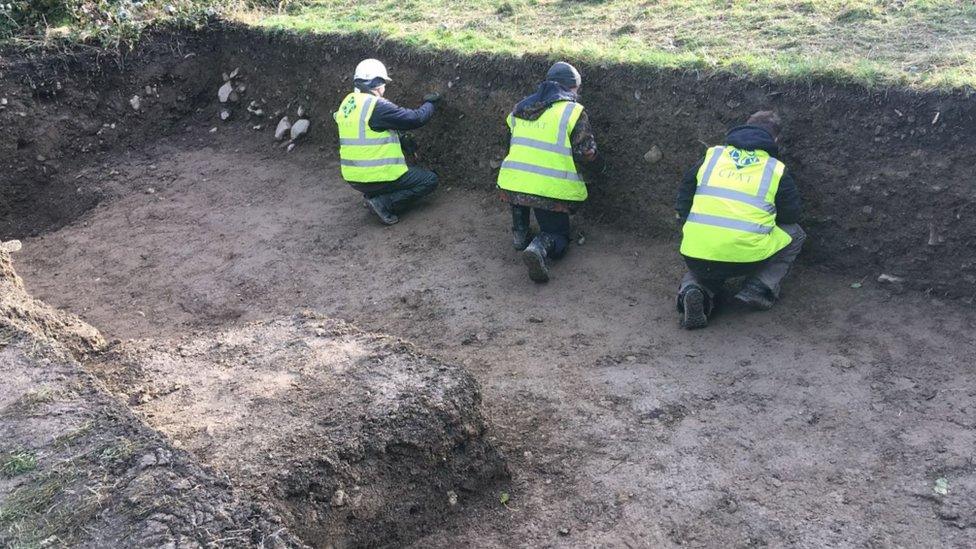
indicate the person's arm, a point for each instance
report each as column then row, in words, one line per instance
column 789, row 203
column 582, row 140
column 686, row 192
column 388, row 116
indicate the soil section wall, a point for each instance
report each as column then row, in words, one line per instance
column 886, row 174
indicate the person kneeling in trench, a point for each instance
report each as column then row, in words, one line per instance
column 550, row 132
column 371, row 147
column 738, row 208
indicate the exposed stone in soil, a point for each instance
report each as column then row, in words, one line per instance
column 65, row 111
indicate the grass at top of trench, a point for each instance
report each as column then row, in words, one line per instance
column 922, row 44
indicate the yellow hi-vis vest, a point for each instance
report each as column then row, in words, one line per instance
column 733, row 215
column 540, row 156
column 366, row 156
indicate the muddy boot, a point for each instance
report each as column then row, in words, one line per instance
column 379, row 206
column 694, row 309
column 536, row 258
column 755, row 296
column 521, row 236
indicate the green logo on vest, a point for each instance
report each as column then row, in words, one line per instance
column 743, row 159
column 349, row 107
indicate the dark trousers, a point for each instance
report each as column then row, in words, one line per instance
column 711, row 275
column 554, row 224
column 405, row 190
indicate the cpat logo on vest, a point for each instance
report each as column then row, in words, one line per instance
column 743, row 159
column 348, row 107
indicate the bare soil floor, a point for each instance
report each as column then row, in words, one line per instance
column 827, row 421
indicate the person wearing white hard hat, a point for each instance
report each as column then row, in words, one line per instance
column 371, row 145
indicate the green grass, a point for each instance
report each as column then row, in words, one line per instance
column 924, row 44
column 915, row 43
column 18, row 463
column 23, row 514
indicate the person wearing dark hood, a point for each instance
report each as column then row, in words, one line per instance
column 550, row 132
column 739, row 209
column 371, row 146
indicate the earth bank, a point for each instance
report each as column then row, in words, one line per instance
column 95, row 475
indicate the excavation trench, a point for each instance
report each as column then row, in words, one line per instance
column 826, row 421
column 886, row 174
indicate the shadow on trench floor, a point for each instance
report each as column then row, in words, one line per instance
column 827, row 421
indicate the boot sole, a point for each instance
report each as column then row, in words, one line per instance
column 536, row 264
column 694, row 315
column 392, row 221
column 754, row 304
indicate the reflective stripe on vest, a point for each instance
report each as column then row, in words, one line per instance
column 727, row 223
column 733, row 215
column 366, row 156
column 540, row 157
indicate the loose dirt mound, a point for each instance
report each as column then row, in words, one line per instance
column 78, row 469
column 358, row 438
column 22, row 314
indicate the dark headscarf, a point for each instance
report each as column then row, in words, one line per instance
column 565, row 74
column 548, row 93
column 559, row 80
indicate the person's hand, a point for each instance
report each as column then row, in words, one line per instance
column 432, row 97
column 408, row 144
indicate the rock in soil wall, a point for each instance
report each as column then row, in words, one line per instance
column 78, row 469
column 357, row 438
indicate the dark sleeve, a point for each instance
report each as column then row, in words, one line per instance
column 389, row 116
column 582, row 139
column 789, row 203
column 686, row 191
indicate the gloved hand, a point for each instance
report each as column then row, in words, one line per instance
column 432, row 97
column 408, row 144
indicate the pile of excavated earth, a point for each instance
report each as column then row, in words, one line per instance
column 303, row 425
column 231, row 352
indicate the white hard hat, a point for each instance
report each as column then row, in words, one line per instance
column 368, row 69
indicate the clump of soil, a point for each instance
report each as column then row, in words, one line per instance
column 78, row 469
column 357, row 438
column 20, row 313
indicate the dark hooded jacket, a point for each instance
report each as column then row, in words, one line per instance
column 390, row 116
column 581, row 139
column 789, row 204
column 387, row 115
